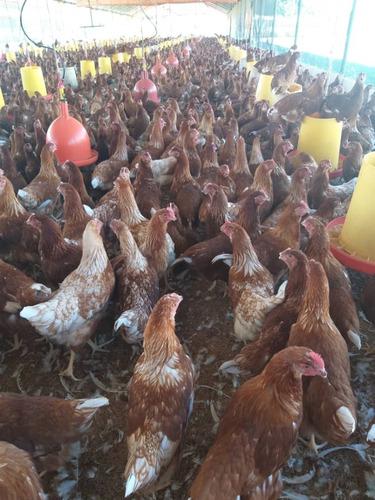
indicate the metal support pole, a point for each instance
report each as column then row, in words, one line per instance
column 299, row 8
column 348, row 34
column 273, row 23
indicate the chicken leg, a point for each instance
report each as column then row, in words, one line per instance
column 68, row 372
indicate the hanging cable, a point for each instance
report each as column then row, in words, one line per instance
column 151, row 21
column 40, row 44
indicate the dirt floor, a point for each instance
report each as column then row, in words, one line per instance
column 204, row 325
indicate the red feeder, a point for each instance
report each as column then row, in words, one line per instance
column 145, row 85
column 186, row 51
column 70, row 139
column 172, row 60
column 158, row 69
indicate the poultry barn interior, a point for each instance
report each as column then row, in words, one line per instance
column 187, row 249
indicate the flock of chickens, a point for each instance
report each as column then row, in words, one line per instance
column 205, row 183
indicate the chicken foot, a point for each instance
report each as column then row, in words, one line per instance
column 311, row 444
column 68, row 372
column 16, row 344
column 98, row 348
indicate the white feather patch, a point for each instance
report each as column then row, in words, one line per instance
column 346, row 419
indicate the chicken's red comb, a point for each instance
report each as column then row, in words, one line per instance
column 171, row 213
column 302, row 208
column 318, row 360
column 96, row 223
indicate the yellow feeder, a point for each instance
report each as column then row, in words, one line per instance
column 127, row 57
column 358, row 233
column 104, row 65
column 10, row 56
column 241, row 54
column 32, row 80
column 264, row 88
column 2, row 102
column 321, row 138
column 87, row 68
column 118, row 57
column 138, row 52
column 249, row 66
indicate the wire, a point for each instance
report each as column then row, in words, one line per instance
column 40, row 44
column 151, row 21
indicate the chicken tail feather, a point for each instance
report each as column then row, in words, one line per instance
column 230, row 367
column 225, row 257
column 139, row 473
column 355, row 339
column 92, row 403
column 346, row 419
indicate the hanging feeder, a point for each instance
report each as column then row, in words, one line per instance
column 146, row 86
column 353, row 236
column 172, row 60
column 104, row 65
column 87, row 68
column 158, row 68
column 2, row 102
column 69, row 76
column 71, row 139
column 33, row 80
column 186, row 51
column 321, row 138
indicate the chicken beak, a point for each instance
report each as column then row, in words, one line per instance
column 323, row 373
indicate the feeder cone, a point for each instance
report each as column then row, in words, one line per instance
column 321, row 138
column 104, row 65
column 249, row 67
column 87, row 68
column 71, row 140
column 32, row 80
column 2, row 102
column 263, row 92
column 145, row 85
column 127, row 57
column 358, row 233
column 172, row 60
column 158, row 69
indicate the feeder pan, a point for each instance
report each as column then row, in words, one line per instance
column 172, row 60
column 71, row 140
column 347, row 259
column 158, row 69
column 2, row 102
column 145, row 85
column 334, row 172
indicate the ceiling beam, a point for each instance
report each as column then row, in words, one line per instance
column 146, row 3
